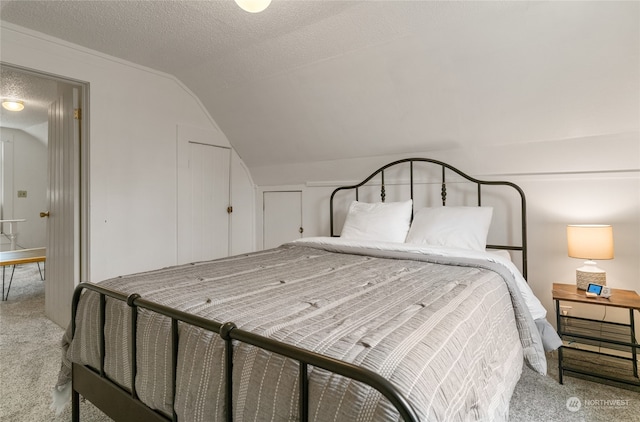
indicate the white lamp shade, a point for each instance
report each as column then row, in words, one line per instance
column 590, row 241
column 253, row 6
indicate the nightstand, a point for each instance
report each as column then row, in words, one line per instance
column 584, row 338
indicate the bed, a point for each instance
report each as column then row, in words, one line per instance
column 407, row 315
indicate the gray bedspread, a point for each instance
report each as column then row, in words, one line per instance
column 450, row 335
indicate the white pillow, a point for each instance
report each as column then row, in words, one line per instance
column 387, row 222
column 454, row 227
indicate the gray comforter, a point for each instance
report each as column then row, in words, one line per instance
column 450, row 334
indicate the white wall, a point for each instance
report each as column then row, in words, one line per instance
column 593, row 179
column 134, row 113
column 28, row 167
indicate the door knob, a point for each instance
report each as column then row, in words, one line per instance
column 44, row 214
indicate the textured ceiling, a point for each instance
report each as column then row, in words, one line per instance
column 319, row 80
column 36, row 92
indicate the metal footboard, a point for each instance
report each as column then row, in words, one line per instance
column 124, row 404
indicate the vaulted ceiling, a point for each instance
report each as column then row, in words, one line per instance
column 320, row 80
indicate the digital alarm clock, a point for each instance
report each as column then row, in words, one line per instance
column 598, row 290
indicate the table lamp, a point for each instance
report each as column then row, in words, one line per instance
column 590, row 242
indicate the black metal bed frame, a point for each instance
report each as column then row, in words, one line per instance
column 123, row 404
column 443, row 194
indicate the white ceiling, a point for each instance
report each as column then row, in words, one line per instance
column 319, row 80
column 17, row 85
column 36, row 92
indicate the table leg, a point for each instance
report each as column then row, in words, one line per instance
column 634, row 351
column 559, row 330
column 40, row 271
column 10, row 281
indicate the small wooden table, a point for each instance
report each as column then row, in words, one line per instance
column 627, row 299
column 21, row 256
column 613, row 335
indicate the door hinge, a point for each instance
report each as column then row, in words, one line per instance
column 77, row 113
column 229, row 209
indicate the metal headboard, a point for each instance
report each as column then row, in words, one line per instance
column 443, row 194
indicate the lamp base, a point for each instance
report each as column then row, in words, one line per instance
column 590, row 273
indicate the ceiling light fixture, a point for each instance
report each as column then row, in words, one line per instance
column 253, row 6
column 13, row 105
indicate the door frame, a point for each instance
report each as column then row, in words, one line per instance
column 82, row 185
column 6, row 179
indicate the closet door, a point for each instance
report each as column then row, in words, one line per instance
column 282, row 217
column 208, row 223
column 203, row 197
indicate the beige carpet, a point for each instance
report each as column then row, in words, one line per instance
column 30, row 358
column 30, row 354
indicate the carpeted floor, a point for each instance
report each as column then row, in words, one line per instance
column 30, row 358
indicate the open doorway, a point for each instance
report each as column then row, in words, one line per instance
column 43, row 177
column 23, row 136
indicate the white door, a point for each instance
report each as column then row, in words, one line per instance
column 203, row 198
column 62, row 265
column 282, row 217
column 209, row 167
